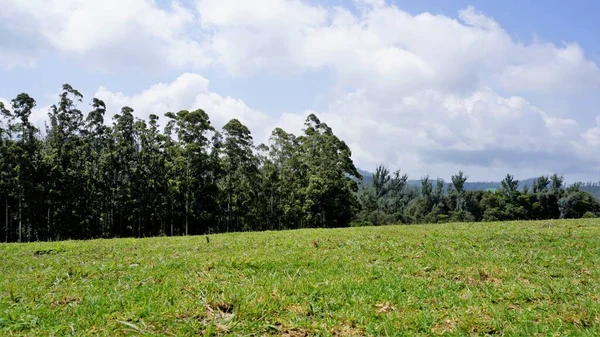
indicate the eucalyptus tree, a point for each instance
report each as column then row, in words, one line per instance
column 427, row 193
column 556, row 184
column 7, row 173
column 289, row 173
column 240, row 167
column 154, row 148
column 458, row 185
column 509, row 184
column 330, row 198
column 26, row 160
column 191, row 161
column 95, row 168
column 123, row 157
column 66, row 156
column 541, row 184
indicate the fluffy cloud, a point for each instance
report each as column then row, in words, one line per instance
column 188, row 92
column 109, row 34
column 20, row 44
column 389, row 49
column 427, row 93
column 474, row 132
column 592, row 135
column 422, row 92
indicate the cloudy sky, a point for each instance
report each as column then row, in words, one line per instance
column 428, row 87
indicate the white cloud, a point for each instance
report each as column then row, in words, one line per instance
column 188, row 92
column 20, row 44
column 434, row 133
column 548, row 69
column 423, row 92
column 258, row 35
column 428, row 93
column 109, row 34
column 380, row 46
column 592, row 135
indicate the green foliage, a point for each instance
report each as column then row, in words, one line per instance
column 83, row 179
column 588, row 215
column 548, row 200
column 509, row 184
column 577, row 203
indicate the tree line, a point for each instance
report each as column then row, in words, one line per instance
column 83, row 178
column 387, row 198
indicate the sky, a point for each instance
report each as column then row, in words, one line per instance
column 427, row 87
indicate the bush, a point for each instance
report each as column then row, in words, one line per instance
column 588, row 215
column 492, row 214
column 442, row 218
column 576, row 204
column 361, row 223
column 461, row 216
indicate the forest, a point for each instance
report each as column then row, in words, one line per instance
column 84, row 177
column 388, row 198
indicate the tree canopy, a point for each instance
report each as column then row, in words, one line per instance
column 548, row 199
column 85, row 179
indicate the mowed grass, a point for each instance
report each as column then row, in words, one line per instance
column 514, row 278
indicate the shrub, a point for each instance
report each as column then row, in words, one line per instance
column 361, row 223
column 588, row 215
column 442, row 218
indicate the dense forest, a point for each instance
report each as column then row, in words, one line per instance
column 83, row 177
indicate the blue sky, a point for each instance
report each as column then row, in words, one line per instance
column 487, row 87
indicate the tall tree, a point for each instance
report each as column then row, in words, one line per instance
column 330, row 189
column 240, row 176
column 556, row 183
column 7, row 172
column 509, row 184
column 26, row 155
column 458, row 184
column 381, row 178
column 193, row 162
column 540, row 185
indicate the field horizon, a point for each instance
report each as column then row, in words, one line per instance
column 503, row 278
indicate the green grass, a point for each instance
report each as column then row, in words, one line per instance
column 515, row 278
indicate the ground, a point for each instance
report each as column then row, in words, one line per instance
column 513, row 278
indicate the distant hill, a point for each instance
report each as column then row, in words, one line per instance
column 590, row 187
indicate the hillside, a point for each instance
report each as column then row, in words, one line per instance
column 518, row 278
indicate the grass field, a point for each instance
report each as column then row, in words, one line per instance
column 517, row 278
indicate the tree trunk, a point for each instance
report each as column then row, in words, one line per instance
column 48, row 216
column 20, row 220
column 6, row 224
column 187, row 196
column 186, row 215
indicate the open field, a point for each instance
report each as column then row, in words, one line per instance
column 517, row 278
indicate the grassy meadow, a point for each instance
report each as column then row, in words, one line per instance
column 513, row 278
